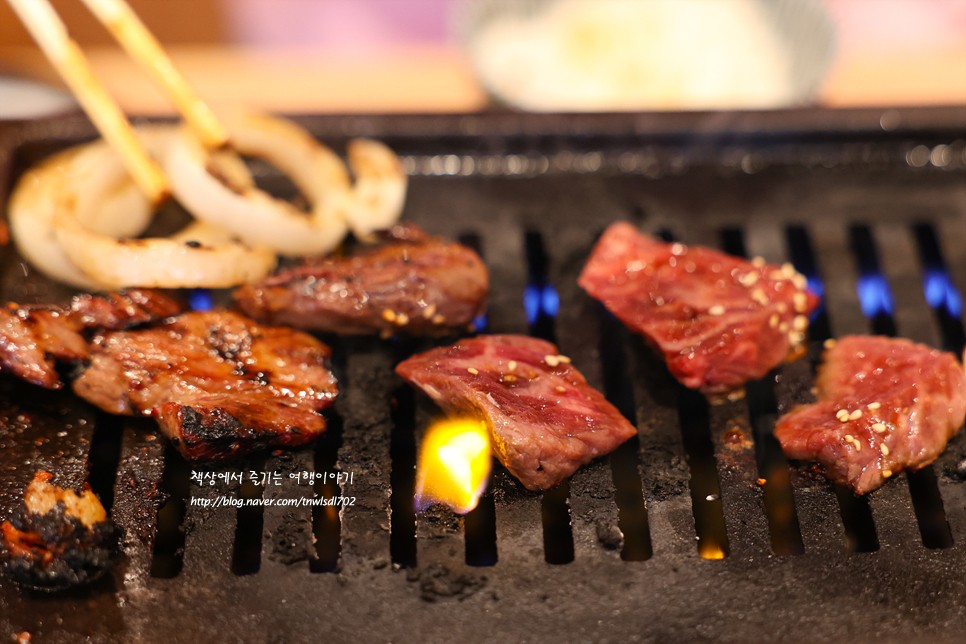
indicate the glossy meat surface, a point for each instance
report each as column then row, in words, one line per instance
column 719, row 320
column 34, row 338
column 884, row 405
column 545, row 420
column 411, row 283
column 122, row 309
column 219, row 384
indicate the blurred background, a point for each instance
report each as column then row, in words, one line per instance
column 457, row 55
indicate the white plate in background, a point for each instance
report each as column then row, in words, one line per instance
column 22, row 99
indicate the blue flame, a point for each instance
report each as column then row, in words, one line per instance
column 540, row 299
column 550, row 301
column 531, row 302
column 200, row 299
column 817, row 286
column 874, row 295
column 941, row 292
column 480, row 322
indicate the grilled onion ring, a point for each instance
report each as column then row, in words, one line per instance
column 380, row 188
column 70, row 180
column 161, row 263
column 375, row 201
column 74, row 214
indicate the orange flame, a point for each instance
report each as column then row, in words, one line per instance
column 710, row 551
column 454, row 465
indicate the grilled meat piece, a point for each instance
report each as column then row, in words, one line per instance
column 884, row 405
column 34, row 338
column 219, row 384
column 58, row 538
column 719, row 320
column 411, row 283
column 545, row 420
column 122, row 309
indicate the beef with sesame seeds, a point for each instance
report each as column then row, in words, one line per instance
column 718, row 320
column 219, row 385
column 545, row 421
column 410, row 283
column 884, row 405
column 58, row 538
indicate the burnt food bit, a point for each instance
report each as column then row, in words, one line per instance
column 410, row 283
column 718, row 320
column 58, row 538
column 545, row 420
column 219, row 384
column 884, row 405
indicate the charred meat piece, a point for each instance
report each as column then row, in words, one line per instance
column 122, row 309
column 58, row 538
column 545, row 420
column 719, row 320
column 34, row 338
column 884, row 405
column 411, row 283
column 219, row 384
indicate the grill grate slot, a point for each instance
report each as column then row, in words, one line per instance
column 402, row 481
column 479, row 525
column 875, row 296
column 926, row 499
column 778, row 496
column 709, row 523
column 104, row 457
column 169, row 540
column 855, row 512
column 327, row 520
column 246, row 555
column 558, row 538
column 928, row 504
column 941, row 293
column 632, row 515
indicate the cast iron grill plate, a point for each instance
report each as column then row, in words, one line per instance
column 697, row 530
